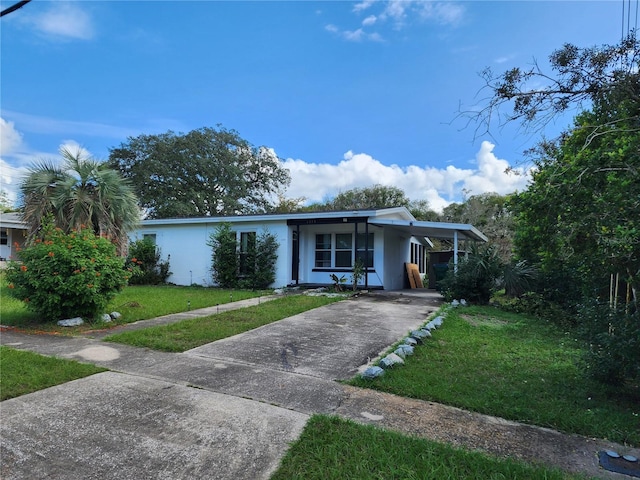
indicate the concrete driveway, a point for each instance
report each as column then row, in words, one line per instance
column 226, row 410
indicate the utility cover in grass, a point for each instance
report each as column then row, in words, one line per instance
column 614, row 462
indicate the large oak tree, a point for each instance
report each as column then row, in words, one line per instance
column 205, row 172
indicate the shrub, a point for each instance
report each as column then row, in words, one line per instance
column 518, row 278
column 358, row 273
column 614, row 341
column 144, row 261
column 224, row 268
column 476, row 277
column 67, row 275
column 250, row 266
column 533, row 303
column 264, row 273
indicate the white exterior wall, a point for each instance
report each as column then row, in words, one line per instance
column 308, row 249
column 190, row 256
column 395, row 255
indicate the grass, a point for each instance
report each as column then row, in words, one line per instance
column 482, row 359
column 187, row 334
column 136, row 302
column 25, row 372
column 331, row 448
column 516, row 367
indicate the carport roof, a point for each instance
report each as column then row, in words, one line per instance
column 441, row 230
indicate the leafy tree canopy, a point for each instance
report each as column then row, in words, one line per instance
column 5, row 203
column 206, row 172
column 376, row 196
column 373, row 197
column 583, row 206
column 490, row 214
column 581, row 77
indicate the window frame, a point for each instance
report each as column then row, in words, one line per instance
column 361, row 249
column 330, row 256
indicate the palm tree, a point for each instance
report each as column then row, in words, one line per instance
column 80, row 192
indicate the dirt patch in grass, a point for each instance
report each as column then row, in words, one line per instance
column 482, row 321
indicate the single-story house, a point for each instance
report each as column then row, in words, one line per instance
column 312, row 246
column 13, row 233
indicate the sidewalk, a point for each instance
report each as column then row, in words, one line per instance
column 176, row 317
column 230, row 409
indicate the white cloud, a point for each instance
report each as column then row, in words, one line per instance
column 370, row 20
column 10, row 178
column 365, row 4
column 331, row 28
column 357, row 35
column 75, row 148
column 399, row 13
column 48, row 125
column 10, row 138
column 63, row 20
column 442, row 12
column 504, row 59
column 11, row 143
column 354, row 36
column 396, row 10
column 16, row 158
column 440, row 187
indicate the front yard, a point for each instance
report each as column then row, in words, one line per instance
column 482, row 359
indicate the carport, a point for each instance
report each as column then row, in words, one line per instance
column 454, row 232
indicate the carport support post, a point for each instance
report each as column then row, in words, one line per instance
column 455, row 251
column 297, row 254
column 366, row 254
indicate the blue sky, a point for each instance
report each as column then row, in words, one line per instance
column 347, row 94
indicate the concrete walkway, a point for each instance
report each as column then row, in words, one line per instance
column 229, row 409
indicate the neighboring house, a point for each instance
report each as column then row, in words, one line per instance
column 312, row 245
column 13, row 233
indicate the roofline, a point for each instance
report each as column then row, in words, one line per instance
column 467, row 230
column 271, row 217
column 12, row 220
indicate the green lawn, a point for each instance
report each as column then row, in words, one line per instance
column 331, row 448
column 136, row 302
column 187, row 334
column 25, row 372
column 481, row 359
column 516, row 367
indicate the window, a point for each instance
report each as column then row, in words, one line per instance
column 364, row 249
column 323, row 250
column 336, row 250
column 418, row 257
column 344, row 249
column 149, row 236
column 4, row 236
column 247, row 252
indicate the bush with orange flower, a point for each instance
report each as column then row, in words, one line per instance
column 63, row 275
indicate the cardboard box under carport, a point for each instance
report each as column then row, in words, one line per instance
column 413, row 274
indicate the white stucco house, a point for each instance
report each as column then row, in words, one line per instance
column 312, row 246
